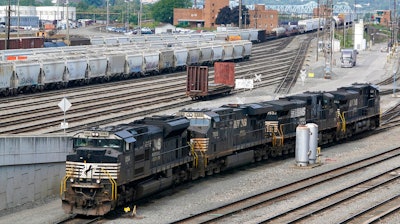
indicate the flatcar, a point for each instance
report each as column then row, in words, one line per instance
column 114, row 165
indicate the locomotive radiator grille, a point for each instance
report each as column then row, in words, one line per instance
column 92, row 170
column 200, row 144
column 273, row 130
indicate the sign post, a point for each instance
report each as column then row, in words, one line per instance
column 64, row 104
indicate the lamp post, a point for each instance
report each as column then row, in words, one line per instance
column 127, row 15
column 395, row 67
column 108, row 12
column 140, row 19
column 67, row 36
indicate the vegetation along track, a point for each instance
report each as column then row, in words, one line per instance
column 260, row 204
column 119, row 101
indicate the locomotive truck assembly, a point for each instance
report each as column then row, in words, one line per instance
column 114, row 165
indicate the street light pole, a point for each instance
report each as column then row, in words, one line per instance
column 108, row 12
column 68, row 41
column 240, row 14
column 140, row 19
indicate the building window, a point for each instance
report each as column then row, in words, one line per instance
column 271, row 16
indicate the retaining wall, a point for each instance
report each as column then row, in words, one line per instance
column 31, row 168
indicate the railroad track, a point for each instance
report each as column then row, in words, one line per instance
column 257, row 205
column 75, row 219
column 27, row 113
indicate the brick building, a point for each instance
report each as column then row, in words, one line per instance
column 200, row 17
column 261, row 18
column 382, row 17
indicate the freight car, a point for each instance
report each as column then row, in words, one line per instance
column 198, row 87
column 86, row 64
column 114, row 165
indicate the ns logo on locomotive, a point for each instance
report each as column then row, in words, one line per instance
column 114, row 165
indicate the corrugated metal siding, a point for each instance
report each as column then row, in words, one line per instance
column 224, row 73
column 197, row 80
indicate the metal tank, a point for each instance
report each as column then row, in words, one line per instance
column 7, row 80
column 245, row 34
column 193, row 55
column 116, row 63
column 111, row 41
column 208, row 36
column 77, row 66
column 217, row 52
column 228, row 52
column 238, row 50
column 96, row 40
column 313, row 145
column 166, row 60
column 302, row 145
column 151, row 59
column 247, row 46
column 138, row 39
column 53, row 70
column 28, row 72
column 134, row 63
column 180, row 56
column 97, row 65
column 206, row 55
column 123, row 40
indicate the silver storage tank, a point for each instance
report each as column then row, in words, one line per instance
column 313, row 142
column 302, row 145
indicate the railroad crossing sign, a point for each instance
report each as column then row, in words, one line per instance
column 257, row 77
column 64, row 104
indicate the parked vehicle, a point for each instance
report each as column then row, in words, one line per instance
column 348, row 58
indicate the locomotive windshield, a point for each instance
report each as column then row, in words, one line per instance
column 99, row 143
column 200, row 122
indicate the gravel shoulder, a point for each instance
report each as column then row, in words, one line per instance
column 210, row 192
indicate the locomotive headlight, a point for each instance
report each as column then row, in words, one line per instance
column 71, row 180
column 98, row 181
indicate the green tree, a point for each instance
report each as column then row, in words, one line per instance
column 163, row 10
column 95, row 3
column 235, row 15
column 224, row 16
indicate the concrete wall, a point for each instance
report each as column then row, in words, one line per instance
column 31, row 168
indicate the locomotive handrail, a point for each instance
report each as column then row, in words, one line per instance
column 63, row 184
column 196, row 157
column 343, row 119
column 113, row 184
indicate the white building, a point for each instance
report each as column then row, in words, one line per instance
column 165, row 28
column 43, row 12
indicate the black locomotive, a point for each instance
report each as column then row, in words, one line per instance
column 114, row 165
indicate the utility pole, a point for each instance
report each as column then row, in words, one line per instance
column 108, row 17
column 328, row 38
column 319, row 25
column 240, row 14
column 67, row 36
column 140, row 19
column 394, row 24
column 8, row 25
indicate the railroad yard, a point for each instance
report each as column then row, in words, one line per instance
column 353, row 176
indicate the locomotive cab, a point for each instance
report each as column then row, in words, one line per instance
column 89, row 186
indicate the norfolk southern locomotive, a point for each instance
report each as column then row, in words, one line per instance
column 115, row 165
